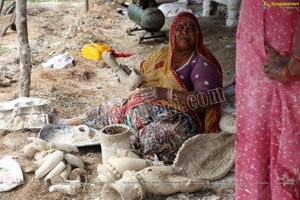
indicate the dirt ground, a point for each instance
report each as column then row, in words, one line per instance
column 58, row 27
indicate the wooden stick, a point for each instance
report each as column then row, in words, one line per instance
column 10, row 24
column 10, row 8
column 1, row 6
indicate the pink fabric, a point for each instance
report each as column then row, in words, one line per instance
column 268, row 111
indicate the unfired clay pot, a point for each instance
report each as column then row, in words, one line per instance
column 113, row 137
column 113, row 168
column 158, row 180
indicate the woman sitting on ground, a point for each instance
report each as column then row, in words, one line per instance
column 180, row 95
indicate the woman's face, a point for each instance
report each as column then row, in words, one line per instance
column 185, row 35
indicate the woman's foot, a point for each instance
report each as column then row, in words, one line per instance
column 53, row 117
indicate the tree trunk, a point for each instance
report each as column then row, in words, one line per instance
column 24, row 49
column 86, row 2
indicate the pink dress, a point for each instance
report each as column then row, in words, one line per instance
column 268, row 111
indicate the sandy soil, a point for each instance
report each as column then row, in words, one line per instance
column 59, row 27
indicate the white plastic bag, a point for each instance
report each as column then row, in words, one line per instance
column 10, row 174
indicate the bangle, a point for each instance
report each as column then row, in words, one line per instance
column 296, row 58
column 288, row 76
column 170, row 94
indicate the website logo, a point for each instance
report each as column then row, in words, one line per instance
column 283, row 4
column 266, row 5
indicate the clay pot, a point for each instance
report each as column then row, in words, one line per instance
column 113, row 137
column 157, row 180
column 113, row 168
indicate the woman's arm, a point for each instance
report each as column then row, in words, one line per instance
column 294, row 63
column 284, row 68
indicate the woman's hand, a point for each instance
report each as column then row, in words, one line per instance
column 274, row 66
column 153, row 93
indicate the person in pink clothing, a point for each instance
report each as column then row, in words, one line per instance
column 268, row 101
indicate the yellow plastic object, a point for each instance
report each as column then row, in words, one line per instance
column 93, row 51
